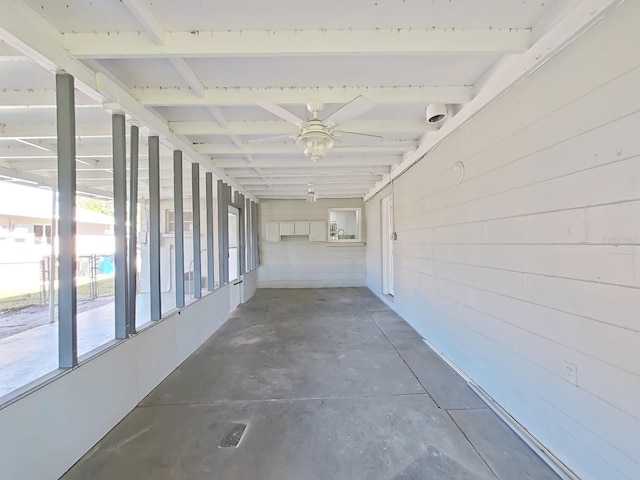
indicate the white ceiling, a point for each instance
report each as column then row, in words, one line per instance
column 192, row 71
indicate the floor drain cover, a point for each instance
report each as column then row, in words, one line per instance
column 233, row 436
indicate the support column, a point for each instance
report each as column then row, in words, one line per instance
column 242, row 241
column 154, row 228
column 211, row 280
column 67, row 294
column 179, row 226
column 195, row 198
column 228, row 199
column 223, row 220
column 133, row 227
column 120, row 220
column 249, row 234
column 256, row 227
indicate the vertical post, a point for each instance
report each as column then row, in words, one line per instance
column 67, row 294
column 249, row 234
column 154, row 228
column 133, row 226
column 195, row 198
column 256, row 227
column 120, row 220
column 228, row 198
column 179, row 226
column 242, row 241
column 52, row 256
column 222, row 219
column 211, row 285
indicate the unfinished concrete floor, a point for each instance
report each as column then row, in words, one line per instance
column 331, row 385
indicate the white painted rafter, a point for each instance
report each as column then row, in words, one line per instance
column 189, row 76
column 327, row 187
column 26, row 31
column 509, row 72
column 248, row 96
column 35, row 131
column 48, row 181
column 315, row 179
column 223, row 124
column 36, row 98
column 301, row 162
column 266, row 128
column 146, row 19
column 291, row 149
column 274, row 172
column 299, row 196
column 218, row 115
column 254, row 43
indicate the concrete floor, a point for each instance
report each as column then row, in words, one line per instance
column 331, row 385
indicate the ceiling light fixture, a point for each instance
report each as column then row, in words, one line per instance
column 311, row 195
column 315, row 140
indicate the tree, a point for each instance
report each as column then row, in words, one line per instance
column 96, row 205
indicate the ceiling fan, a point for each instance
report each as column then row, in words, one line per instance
column 317, row 136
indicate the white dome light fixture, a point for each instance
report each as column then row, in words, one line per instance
column 436, row 113
column 315, row 140
column 311, row 195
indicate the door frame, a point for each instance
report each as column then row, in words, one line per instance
column 235, row 284
column 386, row 222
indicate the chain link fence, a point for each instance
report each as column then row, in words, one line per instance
column 28, row 284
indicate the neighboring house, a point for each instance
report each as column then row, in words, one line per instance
column 25, row 219
column 25, row 234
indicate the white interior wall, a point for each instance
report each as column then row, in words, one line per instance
column 533, row 260
column 297, row 263
column 44, row 433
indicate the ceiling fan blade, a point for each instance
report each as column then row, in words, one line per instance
column 354, row 108
column 357, row 139
column 278, row 111
column 277, row 138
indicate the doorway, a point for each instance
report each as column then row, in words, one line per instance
column 387, row 245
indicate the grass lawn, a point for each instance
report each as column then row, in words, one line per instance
column 14, row 301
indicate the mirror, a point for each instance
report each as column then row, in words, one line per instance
column 345, row 225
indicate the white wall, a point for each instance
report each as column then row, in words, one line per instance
column 44, row 433
column 534, row 259
column 297, row 263
column 373, row 238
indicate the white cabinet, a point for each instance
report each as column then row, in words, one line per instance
column 273, row 232
column 287, row 228
column 317, row 231
column 302, row 228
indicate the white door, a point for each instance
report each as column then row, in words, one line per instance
column 387, row 246
column 235, row 281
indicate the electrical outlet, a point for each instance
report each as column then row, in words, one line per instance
column 571, row 373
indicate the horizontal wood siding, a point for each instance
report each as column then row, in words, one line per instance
column 534, row 259
column 297, row 263
column 373, row 215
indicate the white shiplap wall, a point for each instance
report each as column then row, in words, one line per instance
column 534, row 259
column 373, row 253
column 297, row 263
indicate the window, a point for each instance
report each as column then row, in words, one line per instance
column 170, row 224
column 42, row 234
column 345, row 225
